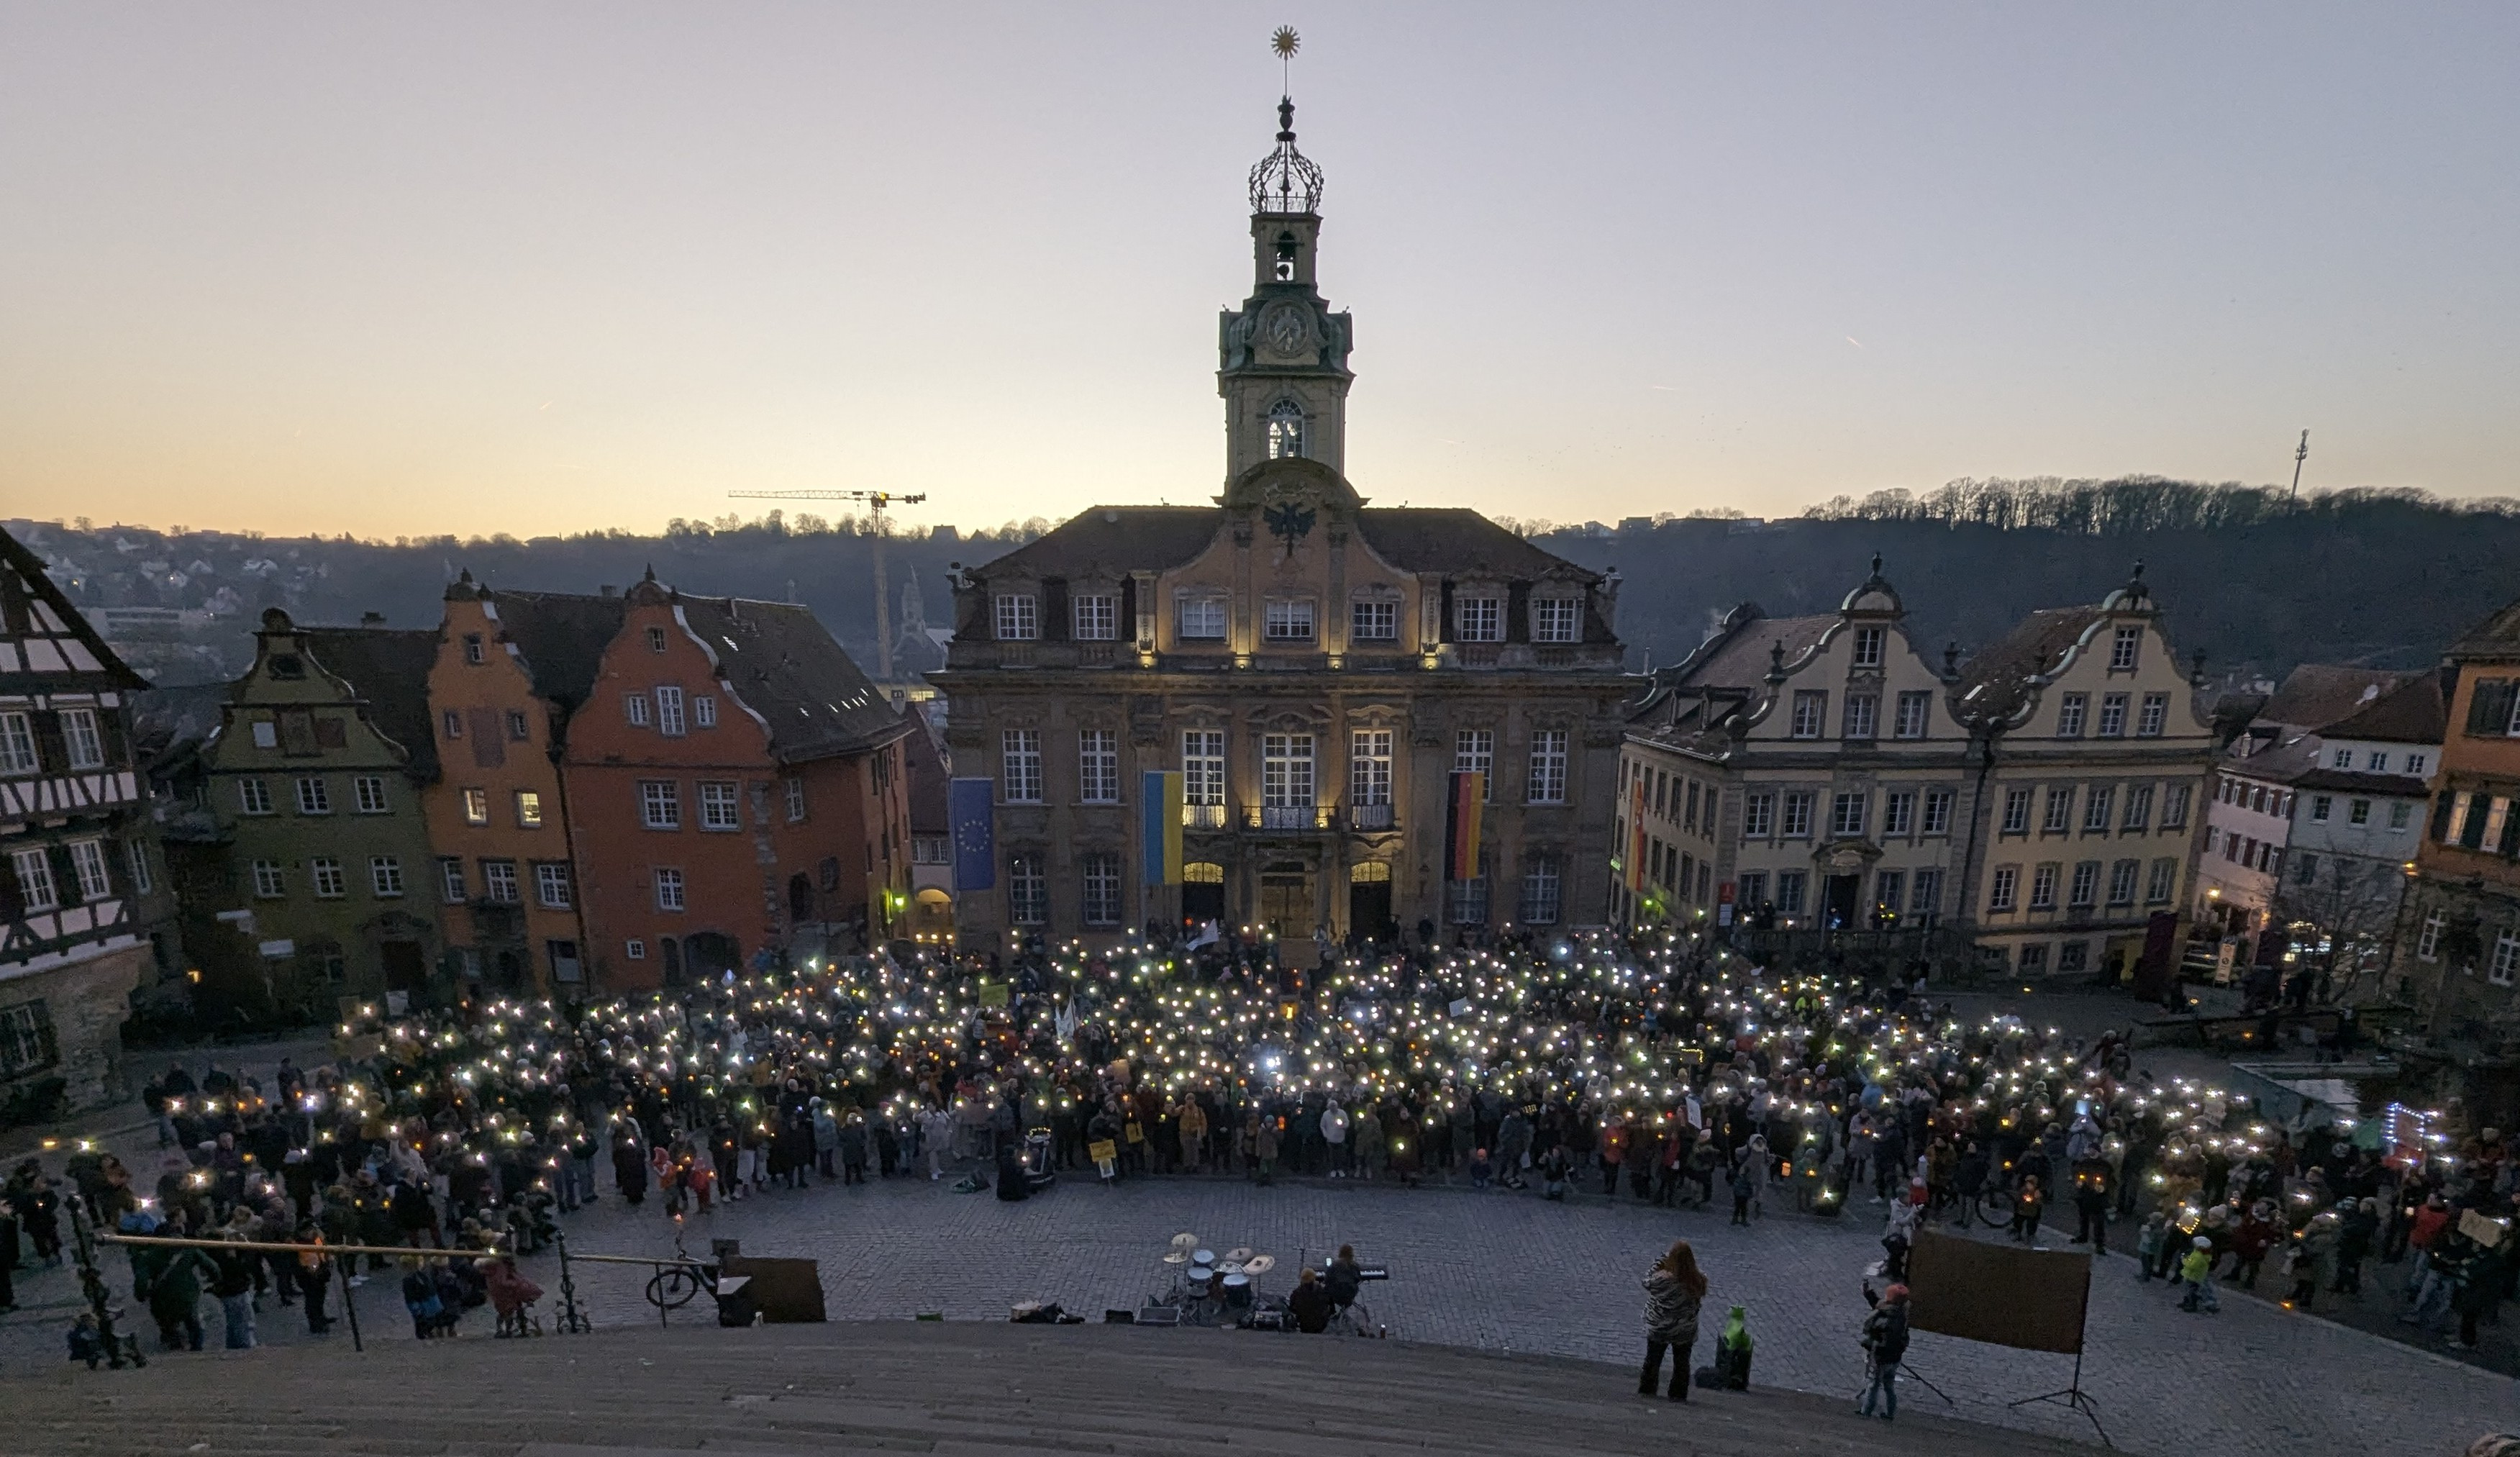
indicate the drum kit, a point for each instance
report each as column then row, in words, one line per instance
column 1206, row 1286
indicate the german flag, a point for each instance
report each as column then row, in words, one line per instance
column 1462, row 810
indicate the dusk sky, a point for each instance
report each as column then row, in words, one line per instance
column 543, row 268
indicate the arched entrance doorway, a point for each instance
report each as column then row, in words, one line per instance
column 1202, row 892
column 708, row 955
column 1286, row 899
column 1369, row 900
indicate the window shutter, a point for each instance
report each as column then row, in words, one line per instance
column 117, row 736
column 2442, row 806
column 1517, row 612
column 2471, row 835
column 1444, row 631
column 2510, row 844
column 1053, row 610
column 2488, row 708
column 50, row 746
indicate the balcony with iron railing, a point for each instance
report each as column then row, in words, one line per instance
column 1203, row 816
column 1378, row 816
column 1288, row 817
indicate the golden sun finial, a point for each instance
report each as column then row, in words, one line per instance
column 1286, row 42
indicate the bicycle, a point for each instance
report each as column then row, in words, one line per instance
column 674, row 1285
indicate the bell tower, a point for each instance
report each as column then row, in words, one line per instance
column 1282, row 355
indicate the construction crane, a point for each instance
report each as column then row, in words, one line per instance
column 874, row 502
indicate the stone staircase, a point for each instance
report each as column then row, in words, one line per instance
column 967, row 1389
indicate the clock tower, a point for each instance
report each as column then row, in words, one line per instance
column 1282, row 355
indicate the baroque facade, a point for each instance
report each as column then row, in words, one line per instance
column 1313, row 666
column 2457, row 947
column 75, row 833
column 1818, row 774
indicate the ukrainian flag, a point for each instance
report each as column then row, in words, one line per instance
column 1160, row 802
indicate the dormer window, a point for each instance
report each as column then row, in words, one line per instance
column 1481, row 619
column 1286, row 430
column 1867, row 646
column 1018, row 617
column 1556, row 619
column 1202, row 618
column 1288, row 621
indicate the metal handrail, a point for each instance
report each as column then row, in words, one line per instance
column 348, row 1253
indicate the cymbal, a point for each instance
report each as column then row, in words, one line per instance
column 1259, row 1264
column 1185, row 1241
column 1177, row 1258
column 1229, row 1268
column 1239, row 1253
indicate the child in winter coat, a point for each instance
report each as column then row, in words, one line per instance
column 2147, row 1246
column 2196, row 1271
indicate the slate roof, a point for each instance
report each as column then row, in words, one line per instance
column 2412, row 713
column 560, row 637
column 776, row 657
column 390, row 668
column 2035, row 648
column 2317, row 695
column 1116, row 538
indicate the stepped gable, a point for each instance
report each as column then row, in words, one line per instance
column 389, row 668
column 779, row 661
column 972, row 1389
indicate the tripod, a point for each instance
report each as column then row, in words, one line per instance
column 1870, row 1368
column 2075, row 1397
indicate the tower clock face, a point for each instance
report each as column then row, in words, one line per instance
column 1285, row 329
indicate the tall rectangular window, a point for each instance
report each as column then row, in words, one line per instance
column 1018, row 617
column 1915, row 709
column 2428, row 942
column 1286, row 774
column 1938, row 811
column 1094, row 617
column 2043, row 888
column 2174, row 807
column 368, row 792
column 1889, row 892
column 2069, row 714
column 1097, row 766
column 704, row 713
column 1927, row 897
column 1203, row 769
column 1846, row 813
column 18, row 745
column 1548, row 784
column 136, row 856
column 1899, row 812
column 1752, row 889
column 1287, row 620
column 2138, row 808
column 1863, row 714
column 253, row 797
column 2059, row 817
column 87, row 861
column 1555, row 619
column 270, row 883
column 2121, row 877
column 669, row 711
column 1098, row 876
column 669, row 890
column 476, row 806
column 499, row 883
column 2086, row 889
column 1810, row 712
column 314, row 796
column 2122, row 648
column 1027, row 891
column 661, row 805
column 1374, row 621
column 2016, row 811
column 529, row 809
column 635, row 707
column 1867, row 647
column 2163, row 881
column 2096, row 809
column 551, row 885
column 1201, row 618
column 795, row 793
column 1481, row 619
column 80, row 736
column 1798, row 814
column 1790, row 885
column 385, row 877
column 1474, row 752
column 326, row 873
column 1759, row 815
column 2507, row 959
column 1020, row 762
column 450, row 881
column 1540, row 891
column 1368, row 768
column 2154, row 718
column 2113, row 714
column 718, row 805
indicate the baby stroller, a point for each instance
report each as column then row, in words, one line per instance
column 1037, row 1173
column 512, row 1296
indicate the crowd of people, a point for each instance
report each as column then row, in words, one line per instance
column 1655, row 1068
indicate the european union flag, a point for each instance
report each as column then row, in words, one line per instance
column 972, row 805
